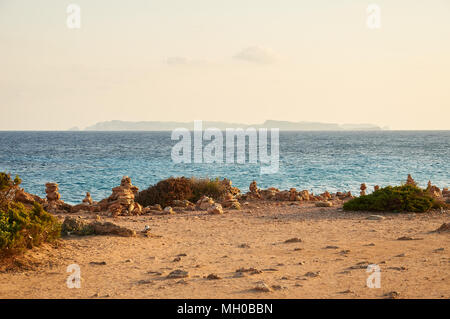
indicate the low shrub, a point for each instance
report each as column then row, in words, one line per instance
column 180, row 188
column 405, row 198
column 205, row 186
column 23, row 226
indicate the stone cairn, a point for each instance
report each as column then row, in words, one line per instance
column 54, row 203
column 434, row 191
column 51, row 189
column 88, row 199
column 410, row 181
column 254, row 191
column 231, row 202
column 229, row 187
column 86, row 205
column 363, row 189
column 121, row 201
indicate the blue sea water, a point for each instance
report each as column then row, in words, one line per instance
column 317, row 161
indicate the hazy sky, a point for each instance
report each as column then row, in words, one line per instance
column 229, row 60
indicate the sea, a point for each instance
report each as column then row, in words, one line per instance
column 95, row 162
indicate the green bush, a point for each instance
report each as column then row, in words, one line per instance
column 180, row 188
column 23, row 226
column 405, row 198
column 6, row 182
column 205, row 186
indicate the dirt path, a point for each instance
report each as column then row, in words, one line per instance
column 329, row 262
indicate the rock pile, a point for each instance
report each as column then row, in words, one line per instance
column 269, row 194
column 363, row 189
column 54, row 203
column 229, row 188
column 231, row 202
column 51, row 189
column 274, row 194
column 304, row 194
column 446, row 195
column 215, row 209
column 204, row 203
column 86, row 205
column 121, row 201
column 434, row 191
column 254, row 191
column 88, row 199
column 410, row 181
column 180, row 205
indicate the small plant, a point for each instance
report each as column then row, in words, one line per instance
column 405, row 198
column 180, row 188
column 205, row 186
column 23, row 226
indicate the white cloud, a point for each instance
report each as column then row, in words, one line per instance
column 256, row 54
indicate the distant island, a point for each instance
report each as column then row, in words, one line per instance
column 117, row 125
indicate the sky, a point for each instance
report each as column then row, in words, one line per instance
column 242, row 61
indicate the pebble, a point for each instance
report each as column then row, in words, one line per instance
column 261, row 286
column 375, row 217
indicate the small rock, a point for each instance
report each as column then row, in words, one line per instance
column 331, row 247
column 244, row 246
column 323, row 204
column 348, row 291
column 375, row 217
column 277, row 287
column 261, row 286
column 408, row 238
column 293, row 240
column 445, row 227
column 213, row 277
column 312, row 274
column 178, row 273
column 392, row 295
column 398, row 268
column 215, row 209
column 100, row 263
column 168, row 210
column 252, row 271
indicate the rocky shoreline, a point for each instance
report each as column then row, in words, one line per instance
column 122, row 201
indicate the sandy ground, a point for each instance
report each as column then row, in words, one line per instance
column 335, row 249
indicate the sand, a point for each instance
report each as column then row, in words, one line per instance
column 330, row 261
